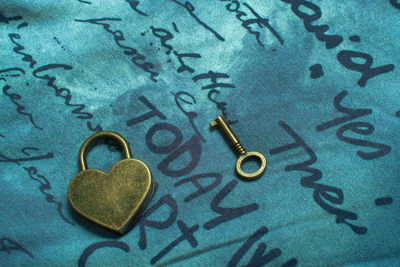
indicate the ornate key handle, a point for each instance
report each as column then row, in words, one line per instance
column 243, row 155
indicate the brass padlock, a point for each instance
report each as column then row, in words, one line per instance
column 114, row 200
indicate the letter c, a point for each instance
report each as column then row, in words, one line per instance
column 93, row 247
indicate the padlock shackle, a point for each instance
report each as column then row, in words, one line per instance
column 102, row 135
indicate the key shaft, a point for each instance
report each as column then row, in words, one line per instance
column 229, row 135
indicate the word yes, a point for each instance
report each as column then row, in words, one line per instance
column 358, row 127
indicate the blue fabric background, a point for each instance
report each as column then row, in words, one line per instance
column 68, row 68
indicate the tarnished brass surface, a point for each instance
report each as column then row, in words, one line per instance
column 251, row 175
column 105, row 134
column 243, row 155
column 116, row 199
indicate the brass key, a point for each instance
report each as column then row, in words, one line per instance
column 234, row 142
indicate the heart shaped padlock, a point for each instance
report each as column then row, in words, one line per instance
column 114, row 200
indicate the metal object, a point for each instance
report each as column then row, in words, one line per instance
column 114, row 200
column 243, row 155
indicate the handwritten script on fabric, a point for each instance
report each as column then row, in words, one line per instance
column 313, row 85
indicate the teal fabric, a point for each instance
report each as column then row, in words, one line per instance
column 313, row 85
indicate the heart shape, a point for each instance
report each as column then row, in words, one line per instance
column 116, row 199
